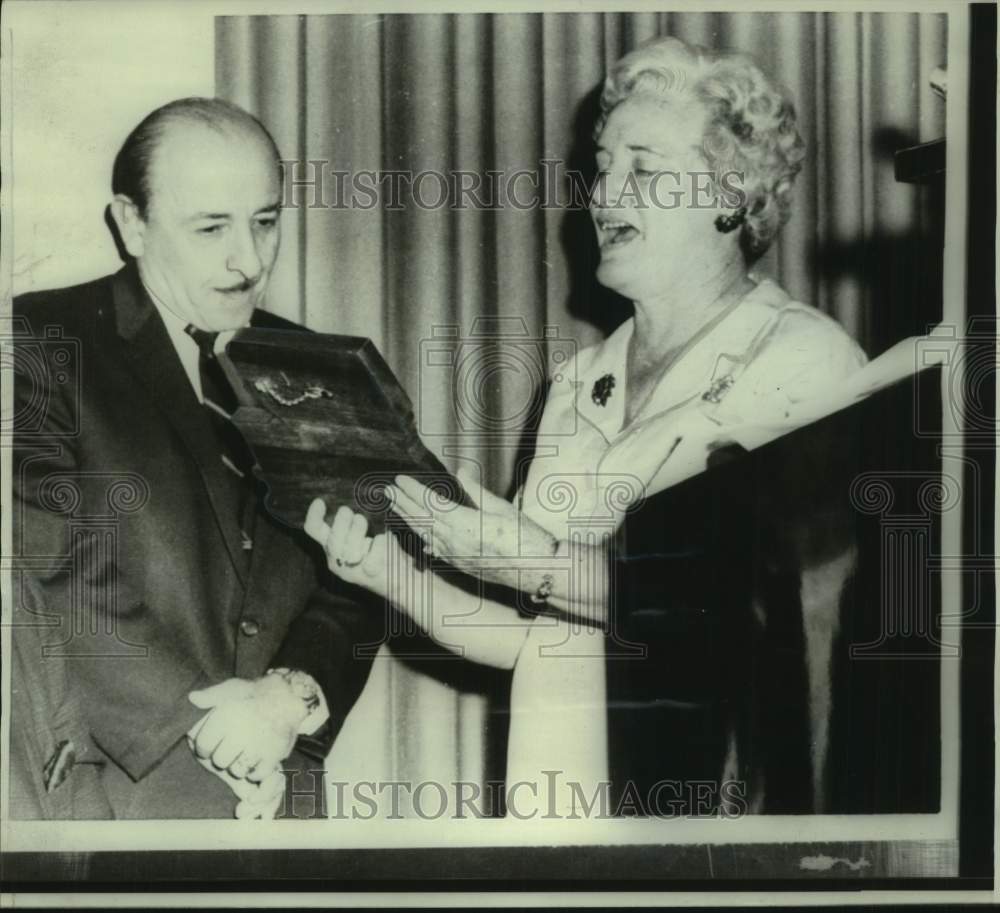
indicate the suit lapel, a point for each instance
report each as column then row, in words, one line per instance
column 150, row 353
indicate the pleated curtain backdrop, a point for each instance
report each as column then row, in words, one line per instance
column 503, row 92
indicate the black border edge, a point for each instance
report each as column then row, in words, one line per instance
column 976, row 803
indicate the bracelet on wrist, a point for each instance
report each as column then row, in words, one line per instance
column 544, row 591
column 541, row 595
column 302, row 686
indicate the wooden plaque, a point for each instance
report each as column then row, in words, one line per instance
column 324, row 416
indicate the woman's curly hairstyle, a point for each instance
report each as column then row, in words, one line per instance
column 751, row 129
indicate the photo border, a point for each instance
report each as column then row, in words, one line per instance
column 624, row 868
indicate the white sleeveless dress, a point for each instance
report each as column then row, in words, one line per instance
column 747, row 373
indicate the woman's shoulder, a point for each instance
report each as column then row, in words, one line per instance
column 611, row 348
column 802, row 350
column 606, row 355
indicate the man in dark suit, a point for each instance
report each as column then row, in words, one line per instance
column 195, row 631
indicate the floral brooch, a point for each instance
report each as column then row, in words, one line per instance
column 602, row 389
column 718, row 389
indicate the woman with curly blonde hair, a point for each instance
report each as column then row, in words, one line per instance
column 697, row 153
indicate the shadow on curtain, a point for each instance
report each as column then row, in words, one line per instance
column 346, row 95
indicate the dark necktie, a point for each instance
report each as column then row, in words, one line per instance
column 220, row 403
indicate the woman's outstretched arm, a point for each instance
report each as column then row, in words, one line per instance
column 476, row 628
column 501, row 544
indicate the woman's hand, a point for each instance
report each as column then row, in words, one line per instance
column 472, row 539
column 477, row 629
column 351, row 553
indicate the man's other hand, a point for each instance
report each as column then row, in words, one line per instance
column 250, row 727
column 257, row 801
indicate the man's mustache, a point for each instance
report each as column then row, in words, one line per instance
column 244, row 286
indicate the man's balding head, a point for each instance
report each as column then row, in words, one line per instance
column 132, row 174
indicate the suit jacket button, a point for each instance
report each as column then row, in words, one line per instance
column 250, row 627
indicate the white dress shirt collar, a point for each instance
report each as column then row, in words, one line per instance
column 184, row 345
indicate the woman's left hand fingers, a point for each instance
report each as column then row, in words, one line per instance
column 442, row 536
column 315, row 525
column 412, row 497
column 452, row 522
column 416, row 514
column 358, row 543
column 336, row 545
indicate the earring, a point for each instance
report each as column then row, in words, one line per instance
column 726, row 224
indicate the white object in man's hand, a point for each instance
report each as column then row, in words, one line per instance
column 257, row 801
column 251, row 726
